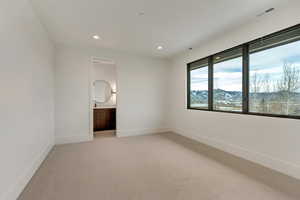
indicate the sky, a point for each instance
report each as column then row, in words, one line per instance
column 228, row 74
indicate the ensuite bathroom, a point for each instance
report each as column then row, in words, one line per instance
column 104, row 98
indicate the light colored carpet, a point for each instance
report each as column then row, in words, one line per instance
column 154, row 167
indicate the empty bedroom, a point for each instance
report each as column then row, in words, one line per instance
column 150, row 100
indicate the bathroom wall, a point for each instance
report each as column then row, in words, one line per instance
column 142, row 92
column 106, row 72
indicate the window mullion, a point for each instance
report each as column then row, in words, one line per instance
column 188, row 87
column 210, row 83
column 246, row 78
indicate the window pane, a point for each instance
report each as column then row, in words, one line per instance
column 228, row 81
column 199, row 87
column 275, row 80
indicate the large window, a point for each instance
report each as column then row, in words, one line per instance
column 261, row 77
column 275, row 80
column 199, row 84
column 228, row 80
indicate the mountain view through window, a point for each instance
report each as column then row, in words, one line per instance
column 199, row 88
column 261, row 77
column 275, row 80
column 228, row 81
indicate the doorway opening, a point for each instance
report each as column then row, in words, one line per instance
column 103, row 98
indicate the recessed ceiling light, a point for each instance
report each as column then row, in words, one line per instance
column 96, row 37
column 159, row 48
column 218, row 57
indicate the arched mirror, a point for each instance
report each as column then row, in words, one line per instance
column 102, row 91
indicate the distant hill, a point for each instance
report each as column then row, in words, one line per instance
column 201, row 96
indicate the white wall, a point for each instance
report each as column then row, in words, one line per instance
column 26, row 103
column 142, row 85
column 108, row 73
column 272, row 142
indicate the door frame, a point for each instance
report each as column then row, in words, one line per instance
column 96, row 60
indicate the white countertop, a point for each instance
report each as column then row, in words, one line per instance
column 102, row 107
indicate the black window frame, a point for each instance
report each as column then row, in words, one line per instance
column 240, row 47
column 245, row 72
column 189, row 83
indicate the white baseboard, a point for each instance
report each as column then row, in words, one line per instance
column 282, row 166
column 17, row 188
column 73, row 139
column 136, row 132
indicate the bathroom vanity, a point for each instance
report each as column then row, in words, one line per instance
column 104, row 119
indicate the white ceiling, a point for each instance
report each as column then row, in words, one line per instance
column 174, row 24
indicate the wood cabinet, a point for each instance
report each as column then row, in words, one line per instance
column 104, row 119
